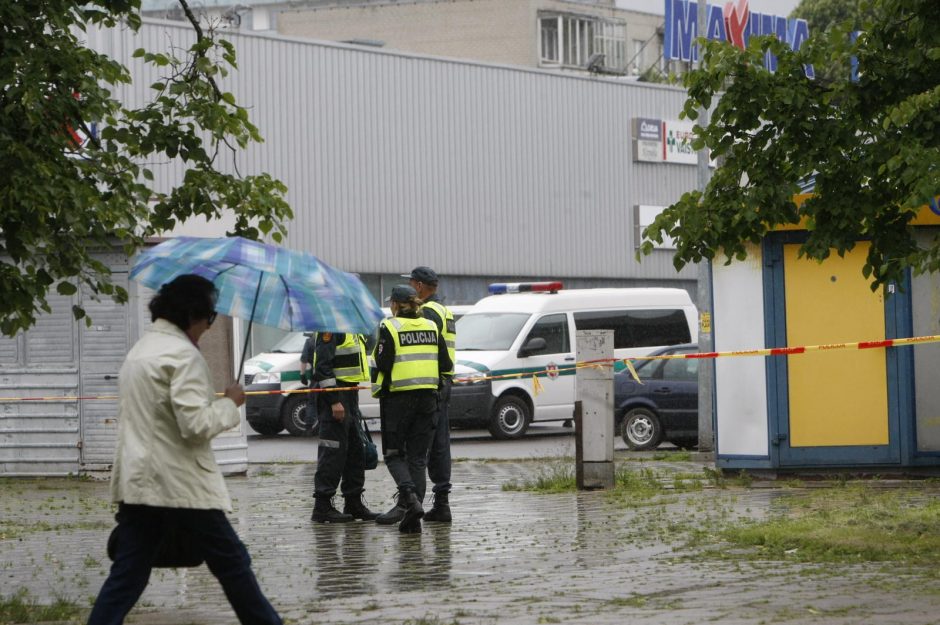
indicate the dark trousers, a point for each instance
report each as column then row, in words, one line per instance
column 340, row 457
column 439, row 454
column 140, row 529
column 407, row 424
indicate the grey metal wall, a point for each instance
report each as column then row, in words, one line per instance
column 477, row 170
column 62, row 358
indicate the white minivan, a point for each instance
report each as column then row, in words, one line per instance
column 527, row 328
column 277, row 370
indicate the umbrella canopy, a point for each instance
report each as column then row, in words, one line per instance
column 265, row 284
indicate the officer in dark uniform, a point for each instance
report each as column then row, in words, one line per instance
column 339, row 360
column 409, row 356
column 424, row 281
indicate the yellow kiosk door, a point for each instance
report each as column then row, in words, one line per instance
column 834, row 406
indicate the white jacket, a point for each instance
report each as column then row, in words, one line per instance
column 167, row 418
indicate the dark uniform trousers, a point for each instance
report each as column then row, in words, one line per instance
column 439, row 455
column 407, row 427
column 340, row 456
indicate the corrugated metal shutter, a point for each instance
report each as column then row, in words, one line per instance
column 9, row 349
column 40, row 437
column 103, row 347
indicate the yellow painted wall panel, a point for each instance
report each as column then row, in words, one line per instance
column 838, row 397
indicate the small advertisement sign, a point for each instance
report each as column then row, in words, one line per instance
column 677, row 146
column 647, row 139
column 643, row 216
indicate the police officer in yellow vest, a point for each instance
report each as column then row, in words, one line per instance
column 339, row 361
column 409, row 357
column 424, row 281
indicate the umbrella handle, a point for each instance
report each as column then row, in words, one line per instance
column 254, row 306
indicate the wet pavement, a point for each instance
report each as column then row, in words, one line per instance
column 509, row 557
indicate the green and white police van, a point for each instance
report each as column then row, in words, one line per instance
column 529, row 328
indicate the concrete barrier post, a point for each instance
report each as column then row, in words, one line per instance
column 594, row 411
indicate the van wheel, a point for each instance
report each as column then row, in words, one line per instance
column 510, row 418
column 266, row 429
column 294, row 417
column 641, row 429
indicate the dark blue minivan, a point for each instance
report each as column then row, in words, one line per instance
column 664, row 407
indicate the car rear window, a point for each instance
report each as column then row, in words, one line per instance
column 638, row 327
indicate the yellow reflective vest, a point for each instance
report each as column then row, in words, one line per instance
column 349, row 361
column 449, row 331
column 415, row 365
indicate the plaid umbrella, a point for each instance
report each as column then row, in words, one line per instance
column 263, row 283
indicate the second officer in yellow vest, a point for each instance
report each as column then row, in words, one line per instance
column 424, row 281
column 339, row 360
column 410, row 356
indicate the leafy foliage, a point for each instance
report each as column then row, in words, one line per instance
column 823, row 14
column 61, row 201
column 873, row 145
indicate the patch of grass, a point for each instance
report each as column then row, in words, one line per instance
column 11, row 529
column 658, row 456
column 633, row 601
column 638, row 485
column 21, row 608
column 856, row 523
column 554, row 478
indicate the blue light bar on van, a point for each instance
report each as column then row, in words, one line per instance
column 498, row 288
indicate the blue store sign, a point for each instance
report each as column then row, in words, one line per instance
column 734, row 23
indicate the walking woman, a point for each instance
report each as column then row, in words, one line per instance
column 165, row 478
column 409, row 357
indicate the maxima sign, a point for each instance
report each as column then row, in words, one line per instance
column 734, row 23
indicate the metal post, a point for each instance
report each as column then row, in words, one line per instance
column 594, row 443
column 706, row 370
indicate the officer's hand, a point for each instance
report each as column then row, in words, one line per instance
column 305, row 378
column 339, row 413
column 236, row 393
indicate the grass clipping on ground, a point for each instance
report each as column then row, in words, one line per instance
column 21, row 608
column 840, row 521
column 858, row 522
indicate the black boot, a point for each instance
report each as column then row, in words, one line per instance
column 324, row 512
column 411, row 520
column 357, row 508
column 440, row 511
column 394, row 515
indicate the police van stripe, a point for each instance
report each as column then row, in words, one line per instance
column 537, row 371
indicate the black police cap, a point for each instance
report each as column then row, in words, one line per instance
column 401, row 293
column 422, row 274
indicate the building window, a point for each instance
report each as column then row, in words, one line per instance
column 637, row 65
column 549, row 38
column 572, row 40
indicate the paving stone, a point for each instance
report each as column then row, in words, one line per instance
column 509, row 557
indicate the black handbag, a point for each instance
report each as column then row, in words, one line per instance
column 370, row 454
column 177, row 549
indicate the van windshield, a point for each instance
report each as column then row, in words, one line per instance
column 290, row 344
column 489, row 331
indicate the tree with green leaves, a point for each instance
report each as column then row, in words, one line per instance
column 872, row 144
column 824, row 14
column 67, row 192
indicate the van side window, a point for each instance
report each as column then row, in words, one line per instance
column 554, row 329
column 638, row 328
